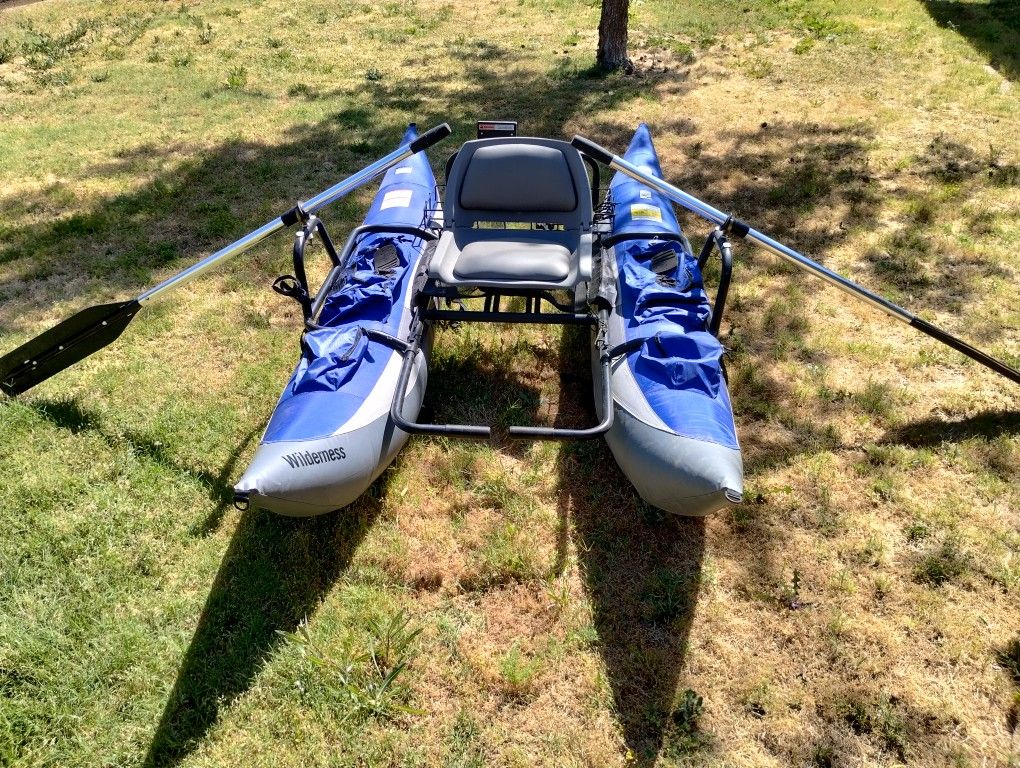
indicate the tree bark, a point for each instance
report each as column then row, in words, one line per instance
column 612, row 52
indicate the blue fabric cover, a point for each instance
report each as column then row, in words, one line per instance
column 678, row 367
column 340, row 366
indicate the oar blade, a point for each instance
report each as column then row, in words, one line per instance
column 64, row 345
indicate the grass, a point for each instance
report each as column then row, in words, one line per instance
column 506, row 604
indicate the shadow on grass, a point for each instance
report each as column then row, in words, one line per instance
column 642, row 568
column 993, row 28
column 274, row 575
column 70, row 415
column 1009, row 658
column 934, row 431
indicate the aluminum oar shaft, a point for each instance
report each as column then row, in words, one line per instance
column 270, row 228
column 739, row 228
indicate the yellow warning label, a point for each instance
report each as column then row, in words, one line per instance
column 648, row 212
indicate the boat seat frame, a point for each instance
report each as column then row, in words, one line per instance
column 434, row 302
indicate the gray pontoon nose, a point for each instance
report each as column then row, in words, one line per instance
column 675, row 473
column 311, row 477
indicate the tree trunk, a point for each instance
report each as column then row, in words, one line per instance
column 612, row 53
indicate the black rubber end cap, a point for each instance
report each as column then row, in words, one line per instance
column 593, row 150
column 430, row 137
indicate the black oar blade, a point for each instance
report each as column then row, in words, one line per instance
column 64, row 345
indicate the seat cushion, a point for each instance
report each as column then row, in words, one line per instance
column 512, row 260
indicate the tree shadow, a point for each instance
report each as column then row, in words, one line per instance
column 993, row 28
column 273, row 576
column 642, row 569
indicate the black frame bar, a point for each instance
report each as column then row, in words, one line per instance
column 718, row 240
column 428, row 313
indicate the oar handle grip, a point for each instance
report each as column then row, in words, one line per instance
column 430, row 137
column 593, row 150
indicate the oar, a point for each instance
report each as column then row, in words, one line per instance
column 739, row 229
column 92, row 329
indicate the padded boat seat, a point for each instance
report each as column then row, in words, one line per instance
column 517, row 213
column 512, row 260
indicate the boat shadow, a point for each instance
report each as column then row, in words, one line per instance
column 274, row 575
column 642, row 569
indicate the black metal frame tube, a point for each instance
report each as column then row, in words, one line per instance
column 413, row 427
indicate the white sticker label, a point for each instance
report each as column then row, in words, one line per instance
column 647, row 212
column 645, row 194
column 403, row 169
column 398, row 198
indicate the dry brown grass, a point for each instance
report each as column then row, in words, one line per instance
column 859, row 609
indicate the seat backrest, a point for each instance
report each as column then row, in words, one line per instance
column 521, row 180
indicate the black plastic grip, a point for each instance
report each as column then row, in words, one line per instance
column 592, row 149
column 431, row 136
column 734, row 227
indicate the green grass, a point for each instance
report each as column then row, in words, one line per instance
column 505, row 604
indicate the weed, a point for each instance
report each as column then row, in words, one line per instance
column 7, row 51
column 824, row 27
column 304, row 90
column 791, row 597
column 237, row 78
column 558, row 592
column 518, row 672
column 804, row 45
column 873, row 552
column 372, row 74
column 367, row 684
column 274, row 42
column 883, row 586
column 682, row 734
column 759, row 700
column 182, row 60
column 206, row 34
column 885, row 487
column 876, row 399
column 759, row 68
column 918, row 531
column 823, row 756
column 948, row 562
column 669, row 596
column 463, row 742
column 505, row 556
